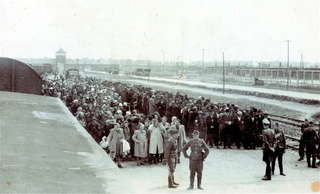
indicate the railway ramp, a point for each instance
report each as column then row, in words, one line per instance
column 43, row 149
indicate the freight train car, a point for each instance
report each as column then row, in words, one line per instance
column 16, row 76
column 42, row 69
column 142, row 72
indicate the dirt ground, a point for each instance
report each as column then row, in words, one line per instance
column 228, row 171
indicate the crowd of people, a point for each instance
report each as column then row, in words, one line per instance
column 143, row 117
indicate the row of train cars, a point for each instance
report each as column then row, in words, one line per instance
column 47, row 68
column 42, row 69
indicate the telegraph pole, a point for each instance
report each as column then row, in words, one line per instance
column 202, row 61
column 288, row 41
column 163, row 54
column 148, row 68
column 301, row 62
column 223, row 72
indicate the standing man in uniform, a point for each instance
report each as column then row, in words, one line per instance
column 310, row 138
column 196, row 158
column 301, row 144
column 170, row 155
column 279, row 149
column 268, row 139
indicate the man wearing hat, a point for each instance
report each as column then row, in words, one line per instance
column 170, row 155
column 310, row 138
column 196, row 158
column 152, row 105
column 301, row 144
column 162, row 106
column 268, row 138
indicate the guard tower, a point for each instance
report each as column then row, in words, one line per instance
column 60, row 61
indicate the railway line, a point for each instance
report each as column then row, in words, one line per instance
column 294, row 124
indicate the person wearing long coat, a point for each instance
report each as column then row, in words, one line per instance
column 152, row 105
column 156, row 140
column 181, row 138
column 140, row 144
column 115, row 139
column 166, row 126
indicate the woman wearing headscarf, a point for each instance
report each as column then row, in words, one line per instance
column 115, row 139
column 140, row 144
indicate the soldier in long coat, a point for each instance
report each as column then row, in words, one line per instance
column 310, row 138
column 268, row 138
column 156, row 140
column 140, row 144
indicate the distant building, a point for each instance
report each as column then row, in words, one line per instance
column 60, row 62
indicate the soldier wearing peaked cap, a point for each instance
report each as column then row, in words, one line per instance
column 310, row 139
column 170, row 155
column 196, row 157
column 268, row 138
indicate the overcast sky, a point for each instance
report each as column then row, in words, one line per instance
column 243, row 30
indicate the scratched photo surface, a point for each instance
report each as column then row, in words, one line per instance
column 159, row 96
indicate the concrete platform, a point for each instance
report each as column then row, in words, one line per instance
column 43, row 149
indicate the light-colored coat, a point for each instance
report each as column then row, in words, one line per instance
column 114, row 138
column 182, row 138
column 140, row 143
column 156, row 140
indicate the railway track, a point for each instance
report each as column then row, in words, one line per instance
column 292, row 142
column 286, row 120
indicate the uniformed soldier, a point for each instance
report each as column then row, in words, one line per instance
column 268, row 139
column 196, row 158
column 301, row 144
column 310, row 138
column 170, row 155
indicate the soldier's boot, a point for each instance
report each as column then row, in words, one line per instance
column 308, row 161
column 199, row 183
column 266, row 178
column 191, row 183
column 281, row 170
column 170, row 183
column 174, row 181
column 314, row 162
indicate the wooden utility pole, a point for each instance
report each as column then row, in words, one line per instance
column 148, row 69
column 223, row 79
column 288, row 71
